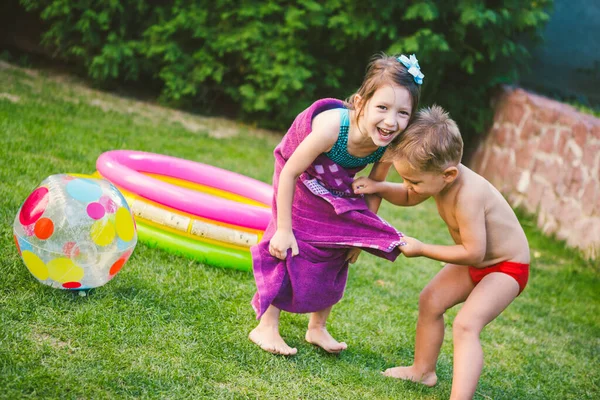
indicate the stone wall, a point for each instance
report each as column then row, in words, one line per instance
column 544, row 156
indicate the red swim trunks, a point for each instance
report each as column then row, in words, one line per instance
column 518, row 271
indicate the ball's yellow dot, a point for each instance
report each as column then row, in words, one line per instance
column 64, row 270
column 35, row 265
column 124, row 222
column 102, row 232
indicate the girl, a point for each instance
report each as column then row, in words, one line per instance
column 318, row 225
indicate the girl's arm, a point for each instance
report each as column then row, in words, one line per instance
column 378, row 173
column 321, row 139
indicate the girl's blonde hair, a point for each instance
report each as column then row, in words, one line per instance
column 432, row 143
column 382, row 70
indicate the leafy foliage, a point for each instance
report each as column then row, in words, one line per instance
column 271, row 59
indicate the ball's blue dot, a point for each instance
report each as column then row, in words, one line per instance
column 84, row 190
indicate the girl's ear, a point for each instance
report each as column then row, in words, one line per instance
column 450, row 174
column 358, row 102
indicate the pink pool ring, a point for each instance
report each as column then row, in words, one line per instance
column 125, row 169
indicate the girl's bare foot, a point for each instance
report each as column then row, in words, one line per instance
column 410, row 374
column 320, row 337
column 269, row 339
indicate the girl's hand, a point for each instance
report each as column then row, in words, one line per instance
column 364, row 185
column 352, row 254
column 412, row 247
column 281, row 241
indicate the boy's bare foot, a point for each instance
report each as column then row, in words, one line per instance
column 270, row 340
column 320, row 337
column 409, row 374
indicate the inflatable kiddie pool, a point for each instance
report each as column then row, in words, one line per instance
column 198, row 210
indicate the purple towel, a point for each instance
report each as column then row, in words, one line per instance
column 327, row 219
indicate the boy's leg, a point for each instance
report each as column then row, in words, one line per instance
column 489, row 298
column 449, row 287
column 267, row 336
column 317, row 333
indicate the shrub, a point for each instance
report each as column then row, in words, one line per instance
column 270, row 59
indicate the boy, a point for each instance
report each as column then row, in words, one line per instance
column 487, row 268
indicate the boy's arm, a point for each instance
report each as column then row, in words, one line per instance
column 470, row 217
column 395, row 193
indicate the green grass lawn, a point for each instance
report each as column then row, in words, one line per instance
column 170, row 327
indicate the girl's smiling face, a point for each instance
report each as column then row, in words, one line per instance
column 386, row 114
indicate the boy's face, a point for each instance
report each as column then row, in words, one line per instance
column 423, row 183
column 386, row 114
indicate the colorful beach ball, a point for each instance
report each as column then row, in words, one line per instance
column 75, row 233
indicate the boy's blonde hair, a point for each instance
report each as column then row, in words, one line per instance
column 431, row 143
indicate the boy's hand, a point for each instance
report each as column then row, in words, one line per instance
column 364, row 185
column 281, row 241
column 412, row 247
column 352, row 255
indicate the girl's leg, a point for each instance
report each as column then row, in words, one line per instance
column 449, row 287
column 317, row 333
column 267, row 336
column 489, row 298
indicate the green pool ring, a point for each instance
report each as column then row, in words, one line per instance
column 206, row 253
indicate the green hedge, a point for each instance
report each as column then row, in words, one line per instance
column 269, row 59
